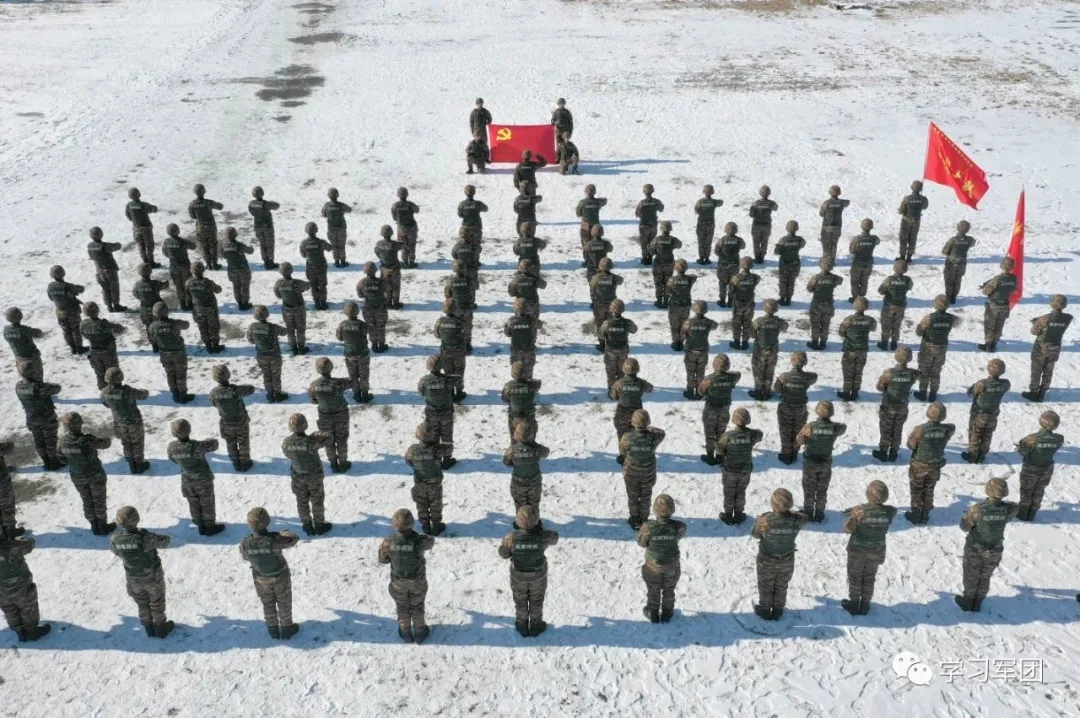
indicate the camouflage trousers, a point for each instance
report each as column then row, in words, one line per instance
column 773, row 576
column 206, row 239
column 601, row 312
column 265, row 238
column 584, row 234
column 69, row 321
column 816, row 476
column 527, row 357
column 310, row 499
column 660, row 582
column 336, row 236
column 144, row 240
column 474, row 234
column 954, row 275
column 613, row 361
column 179, row 276
column 270, row 366
column 132, row 438
column 175, row 365
column 714, row 420
column 316, row 277
column 20, row 606
column 295, row 319
column 724, row 273
column 820, row 318
column 408, row 236
column 7, row 505
column 1044, row 358
column 622, row 420
column 441, row 425
column 528, row 418
column 336, row 425
column 148, row 593
column 852, row 362
column 981, row 432
column 44, row 432
column 646, row 234
column 676, row 315
column 909, row 234
column 526, row 493
column 891, row 424
column 706, row 231
column 931, row 360
column 788, row 278
column 22, row 363
column 661, row 273
column 101, row 360
column 742, row 317
column 359, row 368
column 391, row 277
column 200, row 498
column 759, row 236
column 428, row 496
column 860, row 278
column 1033, row 483
column 830, row 236
column 376, row 321
column 922, row 478
column 453, row 362
column 979, row 566
column 763, row 362
column 409, row 595
column 994, row 321
column 146, row 316
column 639, row 482
column 862, row 568
column 529, row 589
column 735, row 481
column 93, row 493
column 892, row 319
column 237, row 437
column 467, row 322
column 109, row 281
column 790, row 419
column 275, row 595
column 241, row 286
column 207, row 320
column 695, row 362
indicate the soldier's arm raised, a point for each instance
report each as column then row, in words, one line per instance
column 541, row 283
column 189, row 243
column 884, row 379
column 1038, row 324
column 914, row 438
column 384, row 551
column 802, row 436
column 1025, row 445
column 245, row 389
column 140, row 394
column 647, row 387
column 99, row 442
column 643, row 535
column 658, row 435
column 841, row 429
column 208, row 445
column 506, row 548
column 286, row 539
column 52, row 389
column 760, row 527
column 854, row 515
column 158, row 540
column 969, row 519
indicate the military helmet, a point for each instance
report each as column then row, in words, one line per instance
column 834, row 191
column 257, row 192
column 199, row 190
column 114, row 375
column 323, row 365
column 746, row 263
column 56, row 272
column 700, row 307
column 680, row 265
column 285, row 269
column 647, row 189
column 631, row 366
column 663, row 506
column 798, row 359
column 899, row 266
column 13, row 315
column 995, row 368
column 597, row 230
column 916, row 186
column 351, row 309
column 707, row 190
column 521, row 431
column 740, row 417
column 1059, row 302
column 665, row 226
column 605, row 264
column 792, row 226
column 731, row 228
column 449, row 306
column 423, row 431
column 386, row 230
column 127, row 516
column 520, row 306
column 721, row 362
column 526, row 155
column 403, row 520
column 997, row 489
column 877, row 492
column 963, row 226
column 560, row 102
column 1007, row 264
column 1049, row 420
column 861, row 304
column 826, row 265
column 639, row 419
column 902, row 355
column 469, row 190
column 781, row 501
column 936, row 411
column 457, row 267
column 867, row 224
column 298, row 423
column 433, row 363
column 524, row 265
column 527, row 517
column 160, row 310
column 92, row 309
column 134, row 193
column 770, row 306
column 230, row 233
column 221, row 373
column 941, row 302
column 617, row 307
column 260, row 312
column 96, row 234
column 198, row 268
column 824, row 409
column 590, row 190
column 332, row 193
column 403, row 192
column 172, row 229
column 311, row 229
column 144, row 270
column 517, row 369
column 479, row 100
column 72, row 422
column 369, row 268
column 258, row 519
column 181, row 428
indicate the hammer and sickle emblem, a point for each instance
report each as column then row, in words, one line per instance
column 504, row 134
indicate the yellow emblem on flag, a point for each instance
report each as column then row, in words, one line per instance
column 504, row 134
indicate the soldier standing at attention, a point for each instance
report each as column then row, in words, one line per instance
column 263, row 218
column 7, row 494
column 525, row 172
column 761, row 228
column 404, row 551
column 438, row 392
column 196, row 477
column 984, row 524
column 789, row 262
column 522, row 329
column 459, row 288
column 469, row 210
column 832, row 220
column 603, row 290
column 520, row 396
column 766, row 332
column 855, row 330
column 588, row 210
column 895, row 387
column 450, row 331
column 818, row 440
column 894, row 303
column 293, row 311
column 628, row 392
column 233, row 421
column 122, row 400
column 138, row 550
column 927, row 443
column 934, row 330
column 821, row 287
column 562, row 119
column 791, row 413
column 694, row 338
column 314, row 250
column 167, row 334
column 528, row 247
column 637, row 454
column 353, row 335
column 80, row 452
column 524, row 455
column 524, row 284
column 336, row 227
column 525, row 547
column 234, row 252
column 306, row 471
column 264, row 335
column 204, row 308
column 997, row 291
column 868, row 525
column 956, row 252
column 662, row 248
column 615, row 341
column 911, row 209
column 202, row 211
column 862, row 259
column 680, row 289
column 646, row 212
column 735, row 454
column 743, row 286
column 21, row 340
column 660, row 538
column 727, row 260
column 328, row 393
column 142, row 229
column 1049, row 329
column 65, row 297
column 36, row 395
column 705, row 209
column 986, row 395
column 776, row 532
column 404, row 212
column 175, row 248
column 18, row 592
column 1038, row 451
column 100, row 334
column 479, row 119
column 425, row 458
column 370, row 289
column 716, row 389
column 386, row 249
column 101, row 254
column 263, row 549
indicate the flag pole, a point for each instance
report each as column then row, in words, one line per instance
column 926, row 154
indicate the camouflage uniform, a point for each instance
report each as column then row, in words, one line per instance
column 263, row 221
column 1038, row 451
column 404, row 212
column 984, row 523
column 526, row 479
column 127, row 420
column 563, row 121
column 831, row 211
column 895, row 386
column 202, row 211
column 705, row 209
column 166, row 334
column 437, row 390
column 791, row 413
column 65, row 297
column 264, row 335
column 234, row 252
column 934, row 330
column 7, row 492
column 336, row 229
column 450, row 331
column 855, row 331
column 911, row 209
column 306, row 472
column 460, row 288
column 627, row 392
column 467, row 251
column 525, row 209
column 520, row 397
column 789, row 264
column 528, row 574
column 662, row 569
column 293, row 312
column 893, row 306
column 18, row 592
column 329, row 394
column 735, row 452
column 525, row 171
column 638, row 446
column 956, row 252
column 353, row 335
column 694, row 338
column 271, row 576
column 387, row 250
column 595, row 250
column 868, row 525
column 314, row 250
column 523, row 285
column 138, row 550
column 142, row 229
column 204, row 310
column 679, row 293
column 36, row 398
column 662, row 248
column 197, row 480
column 776, row 558
column 761, row 227
column 521, row 328
column 567, row 155
column 87, row 474
column 986, row 397
column 426, row 459
column 927, row 443
column 821, row 287
column 743, row 286
column 615, row 340
column 233, row 421
column 370, row 289
column 469, row 210
column 818, row 439
column 21, row 340
column 479, row 119
column 175, row 249
column 100, row 334
column 477, row 154
column 107, row 273
column 528, row 247
column 716, row 389
column 603, row 290
column 765, row 332
column 997, row 291
column 862, row 262
column 588, row 210
column 646, row 212
column 727, row 263
column 404, row 551
column 148, row 292
column 1049, row 329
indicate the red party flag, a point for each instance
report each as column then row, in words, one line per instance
column 1016, row 252
column 947, row 164
column 507, row 142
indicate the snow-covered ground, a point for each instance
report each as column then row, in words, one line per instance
column 367, row 96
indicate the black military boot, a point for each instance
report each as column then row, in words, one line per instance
column 308, row 528
column 969, row 457
column 366, row 397
column 984, row 348
column 420, row 633
column 16, row 532
column 688, row 394
column 448, row 462
column 912, row 517
column 185, row 398
column 819, row 516
column 738, row 518
column 851, row 607
column 709, row 458
column 1031, row 396
column 274, row 631
column 149, row 628
column 763, row 613
column 323, row 528
column 536, row 628
column 106, row 527
column 883, row 345
column 893, row 454
column 522, row 627
column 459, row 396
column 963, row 602
column 728, row 518
column 677, row 346
column 289, row 631
column 137, row 467
column 892, row 345
column 245, row 464
column 162, row 630
column 651, row 613
column 844, row 394
column 425, row 526
column 812, row 344
column 880, row 455
column 36, row 633
column 213, row 529
column 176, row 397
column 666, row 614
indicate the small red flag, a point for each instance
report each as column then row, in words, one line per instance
column 507, row 142
column 948, row 165
column 1016, row 252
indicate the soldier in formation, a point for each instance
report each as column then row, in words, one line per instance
column 527, row 246
column 727, row 251
column 100, row 334
column 293, row 311
column 142, row 229
column 328, row 393
column 525, row 547
column 65, row 298
column 679, row 292
column 36, row 397
column 868, row 525
column 628, row 392
column 108, row 274
column 524, row 284
column 743, row 286
column 776, row 532
column 524, row 456
column 934, row 330
column 196, row 476
column 264, row 550
column 911, row 209
column 438, row 392
column 895, row 386
column 788, row 262
column 175, row 248
column 862, row 259
column 614, row 337
column 984, row 523
column 791, row 413
column 18, row 592
column 818, row 440
column 526, row 169
column 855, row 330
column 956, row 253
column 122, row 400
column 588, row 211
column 233, row 421
column 202, row 211
column 467, row 252
column 894, row 290
column 761, row 228
column 20, row 339
column 603, row 290
column 766, row 332
column 637, row 454
column 832, row 222
column 235, row 252
column 453, row 349
column 660, row 538
column 404, row 551
column 263, row 219
column 426, row 458
column 716, row 390
column 522, row 328
column 986, row 395
column 148, row 291
column 352, row 332
column 927, row 443
column 735, row 454
column 662, row 248
column 336, row 226
column 370, row 289
column 167, row 334
column 647, row 212
column 314, row 250
column 470, row 210
column 705, row 209
column 204, row 308
column 822, row 287
column 1038, row 451
column 520, row 396
column 138, row 550
column 694, row 338
column 306, row 472
column 388, row 251
column 7, row 494
column 998, row 290
column 1049, row 330
column 80, row 451
column 404, row 212
column 264, row 335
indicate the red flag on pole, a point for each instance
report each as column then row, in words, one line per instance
column 1016, row 252
column 947, row 165
column 507, row 142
